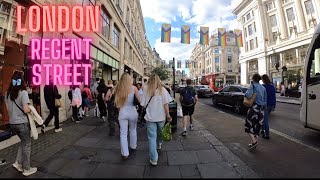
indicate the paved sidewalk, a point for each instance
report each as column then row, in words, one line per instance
column 85, row 150
column 288, row 100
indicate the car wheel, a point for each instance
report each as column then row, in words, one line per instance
column 237, row 107
column 214, row 101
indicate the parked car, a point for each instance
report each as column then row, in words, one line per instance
column 179, row 88
column 203, row 90
column 231, row 96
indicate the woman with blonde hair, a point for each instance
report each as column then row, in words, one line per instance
column 156, row 100
column 124, row 94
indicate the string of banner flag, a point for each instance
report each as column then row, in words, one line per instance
column 188, row 64
column 204, row 35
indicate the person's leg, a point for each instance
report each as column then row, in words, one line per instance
column 152, row 139
column 51, row 114
column 265, row 125
column 75, row 113
column 191, row 111
column 184, row 119
column 23, row 133
column 133, row 132
column 124, row 137
column 159, row 128
column 56, row 118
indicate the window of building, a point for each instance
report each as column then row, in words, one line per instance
column 229, row 50
column 216, row 51
column 269, row 6
column 254, row 26
column 251, row 44
column 105, row 24
column 290, row 14
column 286, row 1
column 89, row 3
column 217, row 68
column 248, row 16
column 245, row 32
column 309, row 7
column 274, row 36
column 273, row 20
column 5, row 7
column 243, row 19
column 229, row 59
column 247, row 46
column 228, row 39
column 217, row 59
column 250, row 30
column 256, row 42
column 229, row 68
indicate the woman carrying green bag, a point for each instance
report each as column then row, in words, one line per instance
column 156, row 99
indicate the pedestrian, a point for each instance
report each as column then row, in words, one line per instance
column 271, row 104
column 255, row 115
column 94, row 88
column 50, row 95
column 282, row 89
column 102, row 92
column 17, row 102
column 188, row 100
column 2, row 161
column 86, row 98
column 124, row 94
column 300, row 90
column 156, row 100
column 112, row 111
column 76, row 103
column 142, row 120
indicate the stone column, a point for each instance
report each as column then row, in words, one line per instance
column 243, row 74
column 300, row 15
column 282, row 22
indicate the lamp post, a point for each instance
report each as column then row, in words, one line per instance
column 174, row 78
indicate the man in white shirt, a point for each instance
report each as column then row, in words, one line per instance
column 94, row 88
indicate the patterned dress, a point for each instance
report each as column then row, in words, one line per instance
column 254, row 120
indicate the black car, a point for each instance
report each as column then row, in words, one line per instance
column 203, row 91
column 231, row 96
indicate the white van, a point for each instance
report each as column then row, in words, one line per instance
column 310, row 96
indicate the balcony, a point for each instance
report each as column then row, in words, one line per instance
column 119, row 9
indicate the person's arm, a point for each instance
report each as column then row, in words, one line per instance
column 25, row 101
column 166, row 109
column 108, row 95
column 56, row 93
column 166, row 99
column 249, row 92
column 195, row 96
column 136, row 93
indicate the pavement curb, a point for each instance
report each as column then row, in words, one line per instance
column 244, row 170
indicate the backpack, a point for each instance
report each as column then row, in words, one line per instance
column 111, row 106
column 70, row 95
column 187, row 96
column 84, row 95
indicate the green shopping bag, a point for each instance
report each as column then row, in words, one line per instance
column 165, row 133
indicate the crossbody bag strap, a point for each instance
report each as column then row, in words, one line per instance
column 149, row 102
column 19, row 107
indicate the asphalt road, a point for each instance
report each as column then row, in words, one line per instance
column 291, row 152
column 285, row 119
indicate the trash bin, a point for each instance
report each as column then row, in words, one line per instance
column 173, row 113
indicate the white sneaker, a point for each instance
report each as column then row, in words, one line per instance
column 191, row 127
column 32, row 170
column 153, row 163
column 159, row 146
column 58, row 130
column 17, row 166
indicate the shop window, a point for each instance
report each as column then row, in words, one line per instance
column 253, row 66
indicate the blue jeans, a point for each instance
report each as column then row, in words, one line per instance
column 265, row 125
column 153, row 130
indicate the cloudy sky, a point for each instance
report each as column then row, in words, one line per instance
column 211, row 13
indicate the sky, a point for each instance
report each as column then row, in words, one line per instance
column 195, row 13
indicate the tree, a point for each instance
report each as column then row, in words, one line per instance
column 161, row 72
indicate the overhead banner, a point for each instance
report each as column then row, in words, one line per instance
column 194, row 64
column 238, row 37
column 187, row 64
column 166, row 33
column 178, row 64
column 204, row 35
column 185, row 34
column 222, row 37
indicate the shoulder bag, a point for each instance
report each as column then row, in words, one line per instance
column 144, row 111
column 248, row 102
column 31, row 119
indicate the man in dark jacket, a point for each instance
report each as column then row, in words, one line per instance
column 50, row 95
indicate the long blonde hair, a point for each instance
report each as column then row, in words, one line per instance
column 121, row 90
column 154, row 83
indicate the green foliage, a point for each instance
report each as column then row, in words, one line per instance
column 161, row 72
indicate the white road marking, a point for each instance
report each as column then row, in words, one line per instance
column 279, row 133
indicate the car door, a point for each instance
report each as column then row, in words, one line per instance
column 229, row 95
column 313, row 87
column 223, row 95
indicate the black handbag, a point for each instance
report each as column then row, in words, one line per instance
column 144, row 112
column 135, row 101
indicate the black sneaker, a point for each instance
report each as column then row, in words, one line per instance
column 184, row 133
column 42, row 129
column 3, row 162
column 253, row 145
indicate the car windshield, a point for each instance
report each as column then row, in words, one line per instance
column 244, row 90
column 200, row 87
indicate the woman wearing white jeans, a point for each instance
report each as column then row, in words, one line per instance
column 157, row 100
column 128, row 115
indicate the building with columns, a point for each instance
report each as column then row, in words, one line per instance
column 117, row 48
column 276, row 35
column 214, row 64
